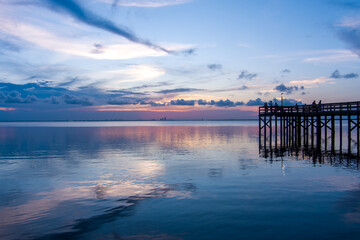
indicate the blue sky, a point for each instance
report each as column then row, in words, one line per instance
column 184, row 59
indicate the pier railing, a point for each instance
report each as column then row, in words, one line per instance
column 343, row 108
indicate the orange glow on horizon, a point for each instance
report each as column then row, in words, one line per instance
column 7, row 109
column 172, row 108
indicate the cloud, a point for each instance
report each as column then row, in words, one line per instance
column 228, row 103
column 15, row 97
column 313, row 82
column 286, row 102
column 80, row 13
column 98, row 48
column 256, row 102
column 288, row 90
column 349, row 32
column 336, row 74
column 54, row 100
column 246, row 75
column 160, row 84
column 243, row 87
column 214, row 67
column 70, row 99
column 125, row 92
column 331, row 55
column 70, row 82
column 178, row 90
column 132, row 73
column 203, row 102
column 40, row 90
column 145, row 3
column 285, row 71
column 152, row 103
column 182, row 102
column 123, row 101
column 220, row 103
column 77, row 47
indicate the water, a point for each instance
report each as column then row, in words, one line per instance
column 167, row 180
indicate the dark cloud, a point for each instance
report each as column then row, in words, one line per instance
column 15, row 97
column 228, row 103
column 182, row 102
column 285, row 71
column 178, row 90
column 256, row 102
column 351, row 37
column 54, row 100
column 288, row 90
column 246, row 75
column 214, row 67
column 40, row 89
column 125, row 92
column 202, row 102
column 186, row 52
column 98, row 48
column 243, row 87
column 70, row 99
column 123, row 101
column 220, row 103
column 80, row 13
column 336, row 74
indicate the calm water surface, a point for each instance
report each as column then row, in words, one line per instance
column 167, row 180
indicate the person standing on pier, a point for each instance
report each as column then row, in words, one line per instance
column 313, row 106
column 266, row 106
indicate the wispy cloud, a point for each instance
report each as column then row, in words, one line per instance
column 133, row 73
column 313, row 82
column 84, row 15
column 53, row 42
column 178, row 90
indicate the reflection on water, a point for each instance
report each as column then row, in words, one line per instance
column 169, row 182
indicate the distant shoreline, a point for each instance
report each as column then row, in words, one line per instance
column 169, row 120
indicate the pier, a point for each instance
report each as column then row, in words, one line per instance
column 327, row 126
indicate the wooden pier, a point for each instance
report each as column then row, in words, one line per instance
column 333, row 126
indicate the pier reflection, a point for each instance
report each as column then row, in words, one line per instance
column 314, row 155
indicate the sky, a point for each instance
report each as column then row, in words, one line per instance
column 179, row 59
